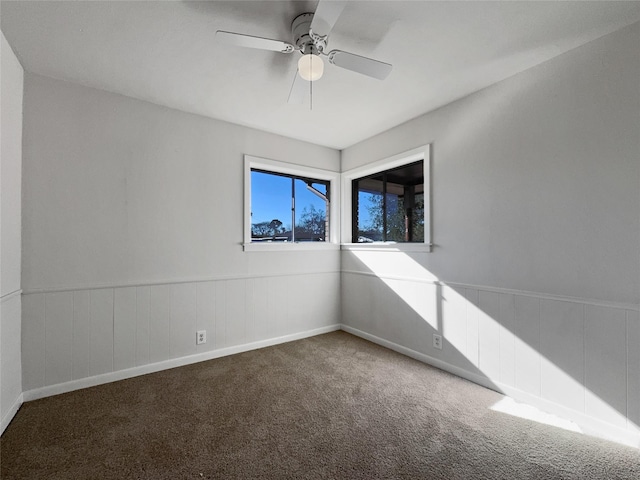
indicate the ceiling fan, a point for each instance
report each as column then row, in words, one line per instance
column 310, row 33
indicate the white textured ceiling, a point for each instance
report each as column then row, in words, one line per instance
column 166, row 52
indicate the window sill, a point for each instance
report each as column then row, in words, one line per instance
column 387, row 247
column 289, row 246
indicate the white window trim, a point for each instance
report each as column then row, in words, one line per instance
column 251, row 162
column 420, row 153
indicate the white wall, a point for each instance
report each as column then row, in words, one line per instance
column 133, row 225
column 11, row 75
column 534, row 279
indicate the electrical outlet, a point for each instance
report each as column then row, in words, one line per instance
column 201, row 337
column 437, row 341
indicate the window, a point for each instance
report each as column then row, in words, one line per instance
column 389, row 204
column 289, row 206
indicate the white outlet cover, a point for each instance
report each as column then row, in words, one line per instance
column 201, row 337
column 437, row 341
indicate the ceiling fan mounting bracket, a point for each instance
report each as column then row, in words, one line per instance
column 303, row 38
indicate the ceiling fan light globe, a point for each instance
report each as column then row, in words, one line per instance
column 310, row 67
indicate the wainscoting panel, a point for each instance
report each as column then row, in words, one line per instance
column 562, row 352
column 124, row 328
column 143, row 299
column 473, row 326
column 278, row 307
column 605, row 363
column 58, row 333
column 526, row 329
column 235, row 312
column 80, row 348
column 455, row 324
column 574, row 357
column 100, row 332
column 33, row 342
column 489, row 331
column 182, row 318
column 206, row 313
column 507, row 339
column 159, row 323
column 633, row 369
column 75, row 335
column 220, row 333
column 452, row 311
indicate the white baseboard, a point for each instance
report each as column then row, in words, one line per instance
column 435, row 362
column 6, row 419
column 66, row 387
column 589, row 425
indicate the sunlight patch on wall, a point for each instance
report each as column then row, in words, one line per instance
column 394, row 263
column 516, row 341
column 521, row 410
column 460, row 323
column 420, row 297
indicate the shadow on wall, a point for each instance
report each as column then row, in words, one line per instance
column 568, row 352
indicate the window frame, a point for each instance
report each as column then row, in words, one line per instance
column 278, row 167
column 395, row 161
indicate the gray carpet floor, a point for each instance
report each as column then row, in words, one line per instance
column 331, row 406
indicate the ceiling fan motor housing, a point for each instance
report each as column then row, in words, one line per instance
column 303, row 38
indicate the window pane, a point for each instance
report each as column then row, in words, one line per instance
column 270, row 207
column 370, row 214
column 389, row 206
column 417, row 218
column 274, row 211
column 311, row 211
column 396, row 222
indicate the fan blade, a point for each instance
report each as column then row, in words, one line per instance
column 299, row 90
column 326, row 16
column 356, row 63
column 249, row 41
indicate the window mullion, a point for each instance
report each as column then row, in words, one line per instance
column 356, row 211
column 384, row 207
column 293, row 209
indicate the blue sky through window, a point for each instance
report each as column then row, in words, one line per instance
column 365, row 201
